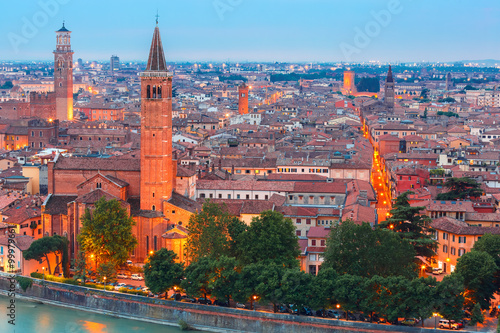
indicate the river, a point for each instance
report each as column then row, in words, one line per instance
column 45, row 318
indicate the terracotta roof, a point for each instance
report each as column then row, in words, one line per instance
column 185, row 172
column 22, row 242
column 490, row 217
column 318, row 232
column 457, row 227
column 184, row 203
column 156, row 61
column 57, row 204
column 98, row 164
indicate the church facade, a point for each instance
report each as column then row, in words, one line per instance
column 149, row 185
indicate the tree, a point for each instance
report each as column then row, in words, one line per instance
column 161, row 272
column 107, row 232
column 476, row 315
column 106, row 272
column 360, row 250
column 324, row 285
column 197, row 275
column 477, row 268
column 247, row 282
column 211, row 232
column 490, row 244
column 461, row 188
column 269, row 238
column 81, row 267
column 223, row 277
column 448, row 298
column 351, row 291
column 412, row 226
column 269, row 285
column 7, row 85
column 41, row 248
column 297, row 288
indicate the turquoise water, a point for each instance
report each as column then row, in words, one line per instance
column 45, row 318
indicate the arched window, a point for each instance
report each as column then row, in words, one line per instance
column 153, row 208
column 159, row 91
column 148, row 92
column 154, row 91
column 154, row 243
column 147, row 244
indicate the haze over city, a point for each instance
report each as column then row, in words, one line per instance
column 258, row 30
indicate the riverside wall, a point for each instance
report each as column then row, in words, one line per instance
column 204, row 317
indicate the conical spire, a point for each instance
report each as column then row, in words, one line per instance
column 156, row 61
column 389, row 75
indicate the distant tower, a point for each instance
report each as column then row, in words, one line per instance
column 243, row 98
column 114, row 64
column 157, row 169
column 349, row 78
column 63, row 75
column 389, row 91
column 449, row 83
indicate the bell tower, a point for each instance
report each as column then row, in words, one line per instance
column 157, row 178
column 243, row 99
column 63, row 74
column 389, row 91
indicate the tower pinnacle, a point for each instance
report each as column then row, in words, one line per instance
column 156, row 61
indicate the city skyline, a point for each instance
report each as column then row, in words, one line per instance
column 239, row 31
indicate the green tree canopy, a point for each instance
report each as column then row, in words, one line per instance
column 106, row 272
column 41, row 248
column 223, row 276
column 269, row 238
column 107, row 232
column 161, row 272
column 476, row 315
column 360, row 250
column 198, row 275
column 413, row 227
column 461, row 188
column 449, row 298
column 81, row 270
column 297, row 288
column 490, row 244
column 477, row 268
column 212, row 232
column 269, row 286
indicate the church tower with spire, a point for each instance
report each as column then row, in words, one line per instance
column 157, row 169
column 389, row 91
column 63, row 74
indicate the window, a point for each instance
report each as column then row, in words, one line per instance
column 202, row 195
column 41, row 134
column 1, row 249
column 148, row 92
column 147, row 244
column 220, row 195
column 32, row 133
column 290, row 197
column 154, row 243
column 461, row 252
column 308, row 221
column 298, row 221
column 266, row 197
column 153, row 207
column 98, row 185
column 237, row 196
column 445, row 248
column 452, row 238
column 211, row 196
column 312, row 257
column 298, row 233
column 229, row 196
column 313, row 242
column 323, row 242
column 453, row 251
column 248, row 196
column 256, row 197
column 462, row 239
column 39, row 231
column 312, row 269
column 445, row 236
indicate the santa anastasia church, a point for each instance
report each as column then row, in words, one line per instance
column 156, row 193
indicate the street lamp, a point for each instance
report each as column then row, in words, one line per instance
column 151, row 252
column 104, row 278
column 435, row 314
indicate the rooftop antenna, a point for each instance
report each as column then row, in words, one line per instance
column 157, row 16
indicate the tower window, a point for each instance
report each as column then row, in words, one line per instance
column 153, row 208
column 148, row 91
column 154, row 243
column 159, row 92
column 154, row 91
column 60, row 84
column 153, row 194
column 98, row 185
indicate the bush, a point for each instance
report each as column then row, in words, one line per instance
column 183, row 325
column 37, row 275
column 24, row 282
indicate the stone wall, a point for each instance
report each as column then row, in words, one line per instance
column 205, row 317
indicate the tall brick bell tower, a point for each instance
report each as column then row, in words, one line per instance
column 157, row 170
column 63, row 75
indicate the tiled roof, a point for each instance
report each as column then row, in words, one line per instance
column 22, row 242
column 57, row 204
column 318, row 232
column 457, row 227
column 184, row 203
column 185, row 172
column 93, row 163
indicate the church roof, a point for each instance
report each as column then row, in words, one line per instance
column 63, row 29
column 156, row 61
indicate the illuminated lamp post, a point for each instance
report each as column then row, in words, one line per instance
column 435, row 314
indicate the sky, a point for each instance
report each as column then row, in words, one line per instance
column 256, row 30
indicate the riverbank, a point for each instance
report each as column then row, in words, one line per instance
column 201, row 317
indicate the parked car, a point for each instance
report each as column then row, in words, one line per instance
column 203, row 300
column 350, row 316
column 120, row 285
column 437, row 271
column 129, row 262
column 137, row 277
column 241, row 306
column 450, row 324
column 409, row 322
column 321, row 313
column 221, row 303
column 122, row 276
column 188, row 299
column 145, row 289
column 305, row 311
column 377, row 319
column 333, row 314
column 363, row 318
